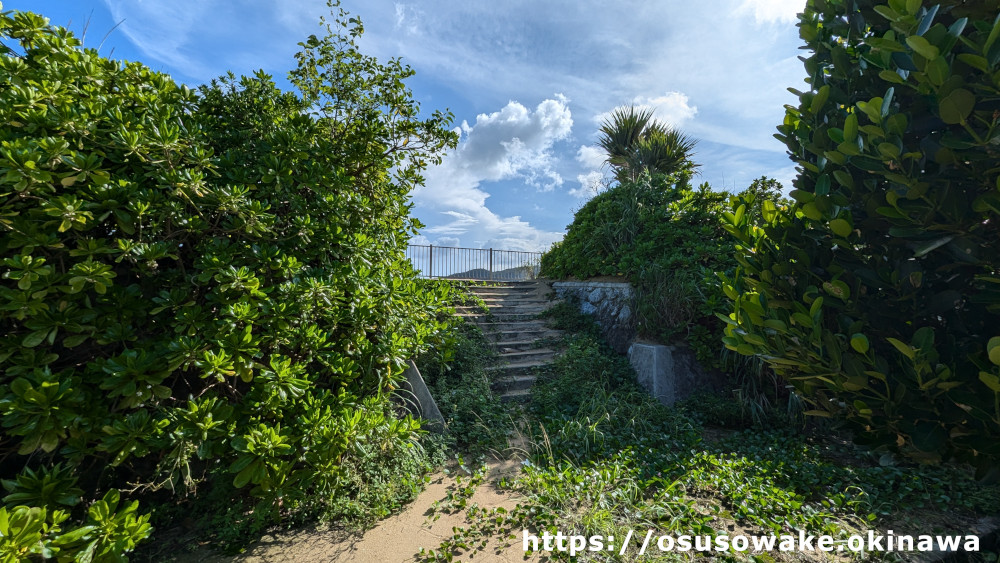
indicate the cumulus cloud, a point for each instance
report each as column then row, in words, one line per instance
column 591, row 184
column 446, row 241
column 591, row 156
column 771, row 11
column 718, row 69
column 672, row 108
column 514, row 143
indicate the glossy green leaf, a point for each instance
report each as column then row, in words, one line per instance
column 851, row 127
column 905, row 349
column 840, row 227
column 993, row 350
column 819, row 99
column 991, row 380
column 860, row 343
column 957, row 106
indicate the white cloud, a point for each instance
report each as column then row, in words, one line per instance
column 591, row 156
column 512, row 143
column 203, row 40
column 785, row 177
column 591, row 184
column 407, row 18
column 516, row 142
column 718, row 69
column 671, row 108
column 446, row 241
column 771, row 11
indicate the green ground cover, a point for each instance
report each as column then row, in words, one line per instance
column 606, row 458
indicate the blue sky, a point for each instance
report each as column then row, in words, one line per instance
column 529, row 83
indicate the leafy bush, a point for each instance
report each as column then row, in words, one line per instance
column 106, row 533
column 877, row 294
column 477, row 421
column 205, row 286
column 668, row 240
column 608, row 457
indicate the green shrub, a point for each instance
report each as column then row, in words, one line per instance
column 106, row 533
column 877, row 294
column 206, row 286
column 477, row 421
column 668, row 240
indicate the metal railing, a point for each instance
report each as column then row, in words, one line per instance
column 473, row 263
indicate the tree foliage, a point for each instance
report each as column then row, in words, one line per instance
column 877, row 293
column 635, row 143
column 201, row 286
column 667, row 239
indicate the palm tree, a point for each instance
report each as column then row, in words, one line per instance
column 635, row 142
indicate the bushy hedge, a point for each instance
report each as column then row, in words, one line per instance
column 201, row 287
column 877, row 294
column 665, row 238
column 668, row 239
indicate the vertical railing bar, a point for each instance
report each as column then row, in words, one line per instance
column 491, row 263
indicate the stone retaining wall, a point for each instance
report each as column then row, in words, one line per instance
column 611, row 303
column 669, row 373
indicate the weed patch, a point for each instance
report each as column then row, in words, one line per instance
column 608, row 458
column 477, row 422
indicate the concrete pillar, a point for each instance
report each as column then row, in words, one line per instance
column 419, row 401
column 655, row 370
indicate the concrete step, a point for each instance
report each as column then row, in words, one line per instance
column 527, row 346
column 505, row 285
column 513, row 345
column 519, row 396
column 522, row 326
column 518, row 294
column 495, row 309
column 518, row 333
column 520, row 367
column 514, row 302
column 513, row 383
column 534, row 353
column 522, row 298
column 498, row 317
column 513, row 325
column 533, row 295
column 508, row 292
column 462, row 310
column 508, row 306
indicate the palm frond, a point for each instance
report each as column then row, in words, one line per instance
column 635, row 142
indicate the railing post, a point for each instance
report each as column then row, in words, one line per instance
column 469, row 259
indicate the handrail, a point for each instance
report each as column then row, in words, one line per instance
column 487, row 264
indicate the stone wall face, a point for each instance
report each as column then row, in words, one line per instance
column 669, row 373
column 611, row 303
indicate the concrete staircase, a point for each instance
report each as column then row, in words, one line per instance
column 511, row 324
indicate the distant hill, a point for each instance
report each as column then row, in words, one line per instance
column 510, row 274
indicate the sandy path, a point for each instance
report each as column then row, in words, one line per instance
column 396, row 539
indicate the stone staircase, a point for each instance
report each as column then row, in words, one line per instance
column 516, row 333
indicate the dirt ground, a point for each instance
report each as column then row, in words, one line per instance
column 397, row 539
